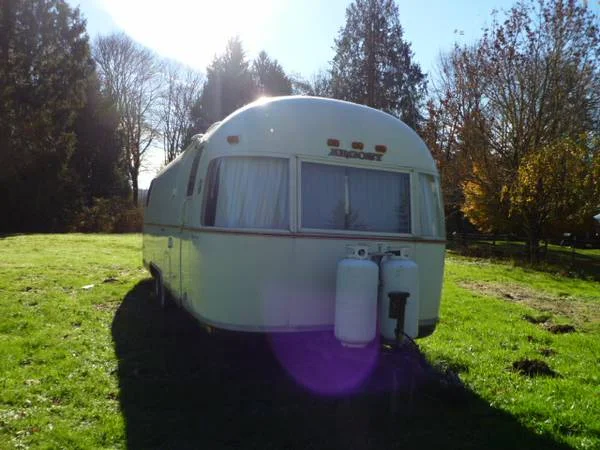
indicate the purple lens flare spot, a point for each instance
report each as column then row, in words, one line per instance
column 320, row 363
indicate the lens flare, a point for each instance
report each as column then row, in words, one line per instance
column 317, row 361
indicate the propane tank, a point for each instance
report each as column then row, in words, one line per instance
column 399, row 274
column 356, row 298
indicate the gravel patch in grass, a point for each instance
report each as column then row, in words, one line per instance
column 578, row 310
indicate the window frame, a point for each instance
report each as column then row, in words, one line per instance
column 149, row 193
column 435, row 179
column 365, row 166
column 191, row 184
column 295, row 197
column 257, row 155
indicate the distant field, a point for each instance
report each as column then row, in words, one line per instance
column 87, row 360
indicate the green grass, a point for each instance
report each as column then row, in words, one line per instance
column 581, row 263
column 485, row 334
column 58, row 371
column 103, row 367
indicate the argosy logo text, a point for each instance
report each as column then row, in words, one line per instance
column 352, row 154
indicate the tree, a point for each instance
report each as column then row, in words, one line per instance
column 541, row 84
column 130, row 75
column 319, row 85
column 529, row 85
column 97, row 162
column 181, row 91
column 455, row 132
column 44, row 67
column 555, row 188
column 229, row 85
column 270, row 77
column 373, row 64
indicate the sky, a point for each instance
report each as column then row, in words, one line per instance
column 298, row 33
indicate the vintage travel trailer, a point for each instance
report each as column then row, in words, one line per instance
column 300, row 213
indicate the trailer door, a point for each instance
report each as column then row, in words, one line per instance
column 187, row 235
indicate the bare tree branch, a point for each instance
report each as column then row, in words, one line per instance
column 182, row 89
column 130, row 74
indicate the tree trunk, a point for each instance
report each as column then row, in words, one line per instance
column 533, row 247
column 8, row 25
column 134, row 190
column 371, row 69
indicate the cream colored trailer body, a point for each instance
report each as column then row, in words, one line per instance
column 245, row 228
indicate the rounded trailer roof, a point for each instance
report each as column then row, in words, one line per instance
column 302, row 125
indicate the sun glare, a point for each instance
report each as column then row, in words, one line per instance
column 193, row 32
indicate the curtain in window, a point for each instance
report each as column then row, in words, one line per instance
column 252, row 193
column 379, row 201
column 431, row 219
column 323, row 190
column 345, row 198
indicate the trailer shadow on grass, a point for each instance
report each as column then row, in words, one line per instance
column 181, row 387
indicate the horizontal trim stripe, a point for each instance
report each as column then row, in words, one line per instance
column 275, row 328
column 151, row 224
column 304, row 235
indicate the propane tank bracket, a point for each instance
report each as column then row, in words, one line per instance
column 397, row 310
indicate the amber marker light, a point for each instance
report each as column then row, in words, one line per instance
column 333, row 142
column 233, row 139
column 358, row 145
column 380, row 148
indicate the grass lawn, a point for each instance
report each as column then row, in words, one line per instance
column 567, row 261
column 88, row 360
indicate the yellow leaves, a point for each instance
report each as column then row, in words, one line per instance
column 482, row 204
column 554, row 182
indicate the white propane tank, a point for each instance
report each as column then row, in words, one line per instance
column 356, row 298
column 399, row 273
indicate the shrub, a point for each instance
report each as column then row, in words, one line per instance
column 109, row 215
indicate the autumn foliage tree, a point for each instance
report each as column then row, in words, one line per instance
column 455, row 133
column 556, row 187
column 530, row 86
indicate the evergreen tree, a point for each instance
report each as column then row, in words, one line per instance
column 229, row 85
column 373, row 63
column 44, row 67
column 270, row 77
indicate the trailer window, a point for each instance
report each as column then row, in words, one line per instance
column 347, row 198
column 246, row 192
column 193, row 171
column 431, row 207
